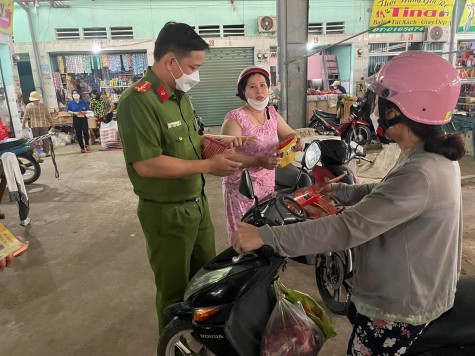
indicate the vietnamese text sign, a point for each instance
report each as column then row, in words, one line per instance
column 467, row 21
column 411, row 13
column 6, row 16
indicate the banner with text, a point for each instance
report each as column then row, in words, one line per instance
column 467, row 22
column 6, row 16
column 410, row 15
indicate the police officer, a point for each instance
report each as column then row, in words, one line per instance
column 162, row 153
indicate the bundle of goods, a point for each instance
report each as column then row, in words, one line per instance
column 109, row 133
column 215, row 144
column 306, row 132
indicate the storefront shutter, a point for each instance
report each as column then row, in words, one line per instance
column 215, row 94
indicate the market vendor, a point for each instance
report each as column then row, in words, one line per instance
column 337, row 87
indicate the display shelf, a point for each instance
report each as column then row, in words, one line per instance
column 126, row 86
column 465, row 103
column 468, row 80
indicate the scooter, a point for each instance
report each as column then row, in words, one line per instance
column 333, row 270
column 228, row 302
column 356, row 129
column 28, row 157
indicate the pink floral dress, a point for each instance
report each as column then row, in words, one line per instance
column 263, row 179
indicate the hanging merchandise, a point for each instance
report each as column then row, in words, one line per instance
column 58, row 85
column 131, row 62
column 125, row 62
column 60, row 64
column 88, row 64
column 114, row 63
column 105, row 60
column 98, row 62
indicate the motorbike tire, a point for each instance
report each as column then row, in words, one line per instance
column 335, row 274
column 361, row 135
column 30, row 169
column 172, row 334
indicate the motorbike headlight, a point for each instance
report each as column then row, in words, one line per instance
column 200, row 280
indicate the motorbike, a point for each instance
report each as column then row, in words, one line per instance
column 333, row 270
column 28, row 157
column 356, row 129
column 228, row 302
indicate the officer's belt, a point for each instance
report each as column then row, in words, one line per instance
column 173, row 202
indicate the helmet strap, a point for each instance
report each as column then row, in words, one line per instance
column 383, row 123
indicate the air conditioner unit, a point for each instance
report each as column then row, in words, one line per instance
column 437, row 34
column 267, row 23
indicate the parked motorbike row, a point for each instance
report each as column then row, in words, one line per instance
column 228, row 302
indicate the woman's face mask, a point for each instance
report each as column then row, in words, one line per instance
column 186, row 81
column 258, row 105
column 76, row 96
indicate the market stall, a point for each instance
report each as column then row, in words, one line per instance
column 111, row 73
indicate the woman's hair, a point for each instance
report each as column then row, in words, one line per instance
column 435, row 140
column 242, row 85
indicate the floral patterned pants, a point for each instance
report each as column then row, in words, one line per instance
column 379, row 337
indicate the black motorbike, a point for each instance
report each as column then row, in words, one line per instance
column 228, row 302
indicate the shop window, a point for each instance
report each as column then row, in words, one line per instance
column 415, row 46
column 315, row 28
column 397, row 47
column 95, row 33
column 377, row 47
column 335, row 27
column 122, row 33
column 209, row 31
column 233, row 30
column 435, row 47
column 67, row 33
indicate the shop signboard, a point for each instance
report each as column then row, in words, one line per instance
column 410, row 15
column 6, row 16
column 467, row 21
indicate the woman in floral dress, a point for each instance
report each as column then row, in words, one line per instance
column 255, row 118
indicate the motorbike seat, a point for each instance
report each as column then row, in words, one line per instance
column 325, row 114
column 10, row 143
column 455, row 327
column 285, row 177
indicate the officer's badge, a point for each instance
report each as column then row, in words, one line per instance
column 162, row 92
column 142, row 87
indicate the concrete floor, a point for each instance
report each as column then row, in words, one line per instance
column 85, row 287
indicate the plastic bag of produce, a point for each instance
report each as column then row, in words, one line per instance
column 290, row 332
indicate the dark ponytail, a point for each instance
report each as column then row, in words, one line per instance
column 449, row 145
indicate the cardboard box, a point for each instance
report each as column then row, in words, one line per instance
column 91, row 123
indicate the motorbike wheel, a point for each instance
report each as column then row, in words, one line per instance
column 333, row 283
column 178, row 340
column 361, row 135
column 30, row 169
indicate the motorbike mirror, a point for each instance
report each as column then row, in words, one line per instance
column 245, row 185
column 312, row 155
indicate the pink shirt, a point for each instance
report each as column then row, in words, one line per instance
column 264, row 145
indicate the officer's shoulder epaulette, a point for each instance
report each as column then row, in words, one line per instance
column 142, row 87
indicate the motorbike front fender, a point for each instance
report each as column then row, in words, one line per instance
column 178, row 309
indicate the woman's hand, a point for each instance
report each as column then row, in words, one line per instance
column 246, row 238
column 6, row 262
column 269, row 162
column 300, row 145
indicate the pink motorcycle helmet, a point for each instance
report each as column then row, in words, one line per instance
column 424, row 86
column 248, row 71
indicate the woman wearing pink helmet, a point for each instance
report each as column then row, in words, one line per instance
column 255, row 118
column 407, row 229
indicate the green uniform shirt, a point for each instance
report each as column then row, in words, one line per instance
column 153, row 121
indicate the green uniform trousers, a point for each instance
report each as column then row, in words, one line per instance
column 180, row 240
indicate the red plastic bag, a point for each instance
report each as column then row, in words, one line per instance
column 290, row 332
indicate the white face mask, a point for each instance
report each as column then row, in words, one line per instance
column 186, row 81
column 258, row 105
column 76, row 96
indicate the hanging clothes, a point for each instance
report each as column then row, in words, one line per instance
column 16, row 186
